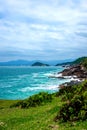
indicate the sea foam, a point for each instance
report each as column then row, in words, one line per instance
column 26, row 89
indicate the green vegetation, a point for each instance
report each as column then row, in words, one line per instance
column 82, row 60
column 85, row 63
column 41, row 116
column 33, row 101
column 75, row 106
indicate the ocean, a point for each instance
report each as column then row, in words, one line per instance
column 22, row 82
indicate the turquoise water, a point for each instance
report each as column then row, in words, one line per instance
column 22, row 82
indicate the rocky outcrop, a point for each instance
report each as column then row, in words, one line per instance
column 71, row 83
column 77, row 70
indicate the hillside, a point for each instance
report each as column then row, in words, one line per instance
column 81, row 60
column 64, row 64
column 39, row 64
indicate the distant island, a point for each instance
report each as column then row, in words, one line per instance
column 39, row 64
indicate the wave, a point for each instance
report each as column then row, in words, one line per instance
column 26, row 89
column 9, row 91
column 54, row 75
column 34, row 75
column 23, row 76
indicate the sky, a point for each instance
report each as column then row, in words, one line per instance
column 43, row 29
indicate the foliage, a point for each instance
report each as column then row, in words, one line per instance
column 33, row 101
column 35, row 118
column 80, row 60
column 75, row 106
column 85, row 63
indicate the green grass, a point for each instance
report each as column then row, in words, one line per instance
column 35, row 118
column 7, row 103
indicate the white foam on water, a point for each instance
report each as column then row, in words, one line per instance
column 74, row 79
column 9, row 91
column 5, row 86
column 34, row 75
column 23, row 76
column 53, row 75
column 26, row 89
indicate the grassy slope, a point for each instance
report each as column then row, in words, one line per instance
column 80, row 60
column 38, row 118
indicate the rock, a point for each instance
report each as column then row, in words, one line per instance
column 71, row 83
column 76, row 70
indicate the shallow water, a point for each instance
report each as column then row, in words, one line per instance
column 22, row 82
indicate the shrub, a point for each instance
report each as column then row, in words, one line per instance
column 75, row 107
column 35, row 100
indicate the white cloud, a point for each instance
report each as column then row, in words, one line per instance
column 43, row 25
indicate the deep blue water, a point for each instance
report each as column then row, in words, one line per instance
column 22, row 82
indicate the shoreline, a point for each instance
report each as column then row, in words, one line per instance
column 76, row 73
column 71, row 73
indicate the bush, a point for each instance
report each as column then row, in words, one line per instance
column 75, row 107
column 35, row 100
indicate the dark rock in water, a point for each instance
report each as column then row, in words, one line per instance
column 71, row 83
column 59, row 76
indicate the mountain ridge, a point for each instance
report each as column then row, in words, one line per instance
column 21, row 62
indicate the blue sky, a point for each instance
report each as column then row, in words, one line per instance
column 43, row 29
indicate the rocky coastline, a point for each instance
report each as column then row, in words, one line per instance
column 77, row 73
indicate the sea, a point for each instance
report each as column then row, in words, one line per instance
column 23, row 81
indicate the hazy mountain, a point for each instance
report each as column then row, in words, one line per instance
column 55, row 62
column 17, row 63
column 29, row 63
